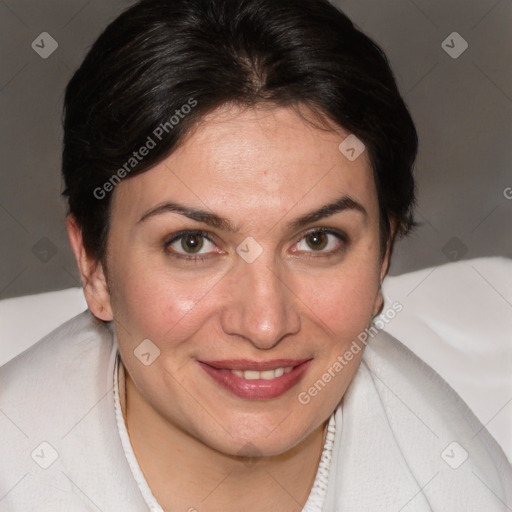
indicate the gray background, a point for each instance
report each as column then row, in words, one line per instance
column 462, row 108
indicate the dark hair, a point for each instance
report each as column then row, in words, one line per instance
column 162, row 55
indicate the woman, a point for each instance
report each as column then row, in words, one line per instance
column 236, row 174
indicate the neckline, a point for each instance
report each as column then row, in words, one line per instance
column 316, row 496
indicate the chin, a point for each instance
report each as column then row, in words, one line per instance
column 268, row 439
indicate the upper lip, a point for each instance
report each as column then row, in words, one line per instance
column 246, row 364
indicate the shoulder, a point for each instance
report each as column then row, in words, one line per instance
column 434, row 429
column 58, row 423
column 67, row 349
column 54, row 379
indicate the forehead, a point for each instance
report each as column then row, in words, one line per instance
column 250, row 161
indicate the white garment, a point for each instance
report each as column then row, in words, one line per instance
column 402, row 445
column 316, row 496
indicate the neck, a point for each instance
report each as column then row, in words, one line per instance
column 184, row 473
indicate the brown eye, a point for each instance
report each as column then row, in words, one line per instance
column 317, row 240
column 325, row 241
column 192, row 243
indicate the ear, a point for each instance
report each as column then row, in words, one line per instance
column 386, row 260
column 91, row 273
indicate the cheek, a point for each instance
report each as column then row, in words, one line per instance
column 152, row 304
column 344, row 303
column 343, row 299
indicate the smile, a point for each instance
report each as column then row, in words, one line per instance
column 265, row 375
column 255, row 384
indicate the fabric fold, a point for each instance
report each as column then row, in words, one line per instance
column 407, row 443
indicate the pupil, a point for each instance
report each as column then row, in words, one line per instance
column 192, row 243
column 317, row 240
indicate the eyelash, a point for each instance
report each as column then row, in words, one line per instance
column 341, row 236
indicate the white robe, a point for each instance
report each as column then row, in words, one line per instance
column 407, row 442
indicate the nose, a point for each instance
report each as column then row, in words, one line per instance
column 261, row 307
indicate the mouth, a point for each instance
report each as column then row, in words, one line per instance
column 256, row 381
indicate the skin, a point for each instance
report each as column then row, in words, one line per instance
column 260, row 168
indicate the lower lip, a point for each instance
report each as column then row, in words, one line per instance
column 258, row 389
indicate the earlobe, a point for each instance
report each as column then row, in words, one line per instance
column 379, row 301
column 91, row 273
column 386, row 261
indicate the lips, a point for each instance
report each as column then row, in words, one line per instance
column 257, row 380
column 246, row 364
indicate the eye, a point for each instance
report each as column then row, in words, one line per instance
column 188, row 244
column 195, row 246
column 322, row 240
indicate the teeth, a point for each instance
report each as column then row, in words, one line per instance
column 265, row 375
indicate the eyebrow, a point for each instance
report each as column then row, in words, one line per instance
column 212, row 219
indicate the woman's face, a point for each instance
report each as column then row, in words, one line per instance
column 259, row 286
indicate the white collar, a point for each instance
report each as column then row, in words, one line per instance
column 316, row 497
